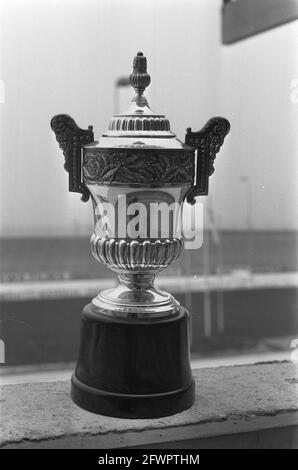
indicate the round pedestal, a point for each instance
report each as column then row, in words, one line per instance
column 133, row 369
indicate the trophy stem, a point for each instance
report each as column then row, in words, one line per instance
column 137, row 281
column 136, row 297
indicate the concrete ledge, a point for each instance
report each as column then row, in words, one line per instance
column 252, row 406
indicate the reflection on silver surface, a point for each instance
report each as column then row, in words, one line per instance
column 138, row 175
column 134, row 254
column 136, row 298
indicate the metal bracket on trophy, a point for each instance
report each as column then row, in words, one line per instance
column 134, row 357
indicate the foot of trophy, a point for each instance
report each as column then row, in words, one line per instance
column 133, row 368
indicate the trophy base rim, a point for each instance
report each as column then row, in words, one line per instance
column 131, row 406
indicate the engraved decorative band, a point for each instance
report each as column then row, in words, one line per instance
column 158, row 168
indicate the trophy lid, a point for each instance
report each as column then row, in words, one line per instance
column 139, row 126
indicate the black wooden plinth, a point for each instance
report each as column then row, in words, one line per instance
column 135, row 368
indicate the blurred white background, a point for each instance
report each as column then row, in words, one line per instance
column 64, row 56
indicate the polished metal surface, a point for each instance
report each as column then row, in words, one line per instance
column 139, row 126
column 136, row 264
column 136, row 298
column 138, row 158
column 136, row 255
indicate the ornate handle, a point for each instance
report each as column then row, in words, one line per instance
column 207, row 142
column 70, row 139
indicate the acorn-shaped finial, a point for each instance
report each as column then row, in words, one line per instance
column 139, row 79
